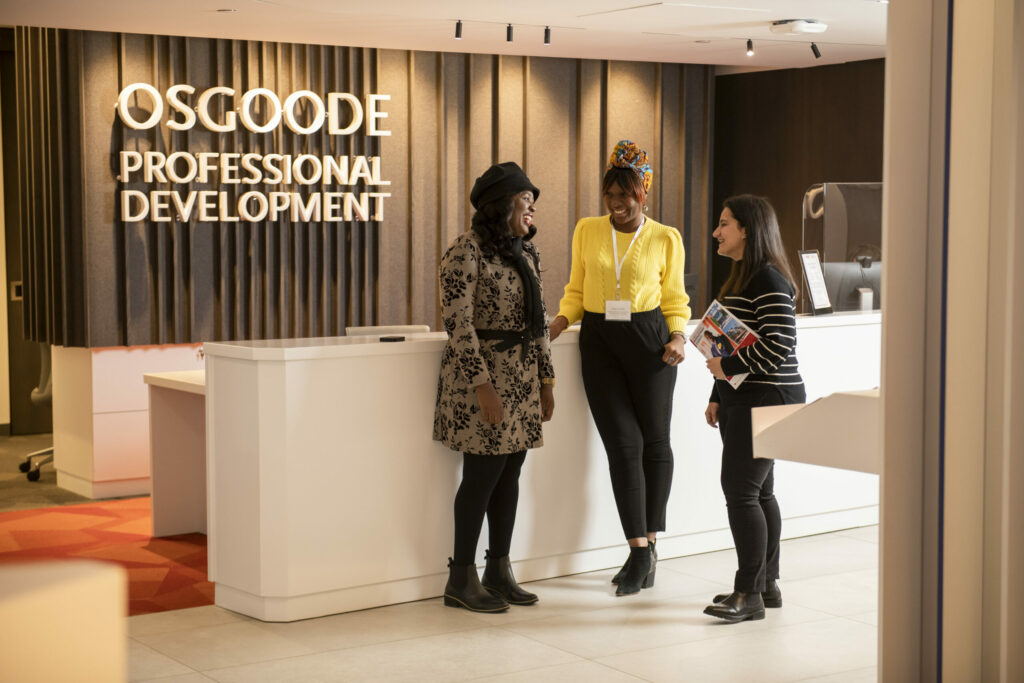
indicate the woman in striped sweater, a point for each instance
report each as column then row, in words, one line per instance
column 761, row 292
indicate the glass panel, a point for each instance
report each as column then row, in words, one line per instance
column 843, row 221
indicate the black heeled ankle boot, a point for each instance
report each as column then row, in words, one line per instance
column 639, row 571
column 738, row 607
column 617, row 579
column 464, row 590
column 498, row 579
column 772, row 595
column 625, row 567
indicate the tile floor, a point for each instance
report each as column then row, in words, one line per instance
column 578, row 632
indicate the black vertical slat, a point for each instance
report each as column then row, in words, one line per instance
column 323, row 327
column 121, row 258
column 370, row 226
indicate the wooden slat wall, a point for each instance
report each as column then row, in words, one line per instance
column 92, row 280
column 559, row 118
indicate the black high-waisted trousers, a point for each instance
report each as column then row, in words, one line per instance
column 749, row 487
column 629, row 389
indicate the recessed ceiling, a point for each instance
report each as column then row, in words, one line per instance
column 710, row 32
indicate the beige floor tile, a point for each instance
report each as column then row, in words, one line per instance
column 574, row 672
column 867, row 617
column 824, row 555
column 181, row 620
column 213, row 647
column 839, row 594
column 863, row 533
column 866, row 675
column 449, row 657
column 718, row 567
column 819, row 555
column 145, row 663
column 185, row 678
column 645, row 625
column 584, row 592
column 380, row 625
column 774, row 655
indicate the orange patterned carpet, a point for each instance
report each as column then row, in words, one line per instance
column 163, row 573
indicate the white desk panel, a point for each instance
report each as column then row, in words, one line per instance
column 327, row 494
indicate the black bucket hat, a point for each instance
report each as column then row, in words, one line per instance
column 500, row 180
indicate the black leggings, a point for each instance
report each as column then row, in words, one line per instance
column 629, row 389
column 749, row 487
column 490, row 484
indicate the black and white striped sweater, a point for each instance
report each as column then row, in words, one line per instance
column 767, row 306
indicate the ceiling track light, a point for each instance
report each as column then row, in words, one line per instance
column 458, row 30
column 815, row 50
column 750, row 47
column 547, row 35
column 508, row 33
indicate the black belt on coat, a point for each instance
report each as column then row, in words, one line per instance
column 507, row 339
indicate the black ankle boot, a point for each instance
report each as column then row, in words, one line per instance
column 498, row 579
column 622, row 572
column 772, row 595
column 738, row 607
column 464, row 590
column 625, row 567
column 639, row 571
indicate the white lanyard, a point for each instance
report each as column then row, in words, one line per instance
column 615, row 253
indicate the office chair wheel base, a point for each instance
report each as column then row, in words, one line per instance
column 25, row 466
column 33, row 475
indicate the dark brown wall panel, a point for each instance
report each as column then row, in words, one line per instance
column 95, row 280
column 779, row 132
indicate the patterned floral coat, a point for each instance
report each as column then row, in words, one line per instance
column 478, row 293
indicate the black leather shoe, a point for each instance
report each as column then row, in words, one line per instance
column 653, row 562
column 464, row 590
column 738, row 607
column 772, row 595
column 639, row 571
column 499, row 580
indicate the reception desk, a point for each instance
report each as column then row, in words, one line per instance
column 327, row 494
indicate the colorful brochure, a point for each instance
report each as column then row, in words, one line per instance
column 720, row 333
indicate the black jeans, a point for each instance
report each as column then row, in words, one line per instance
column 749, row 487
column 629, row 389
column 490, row 485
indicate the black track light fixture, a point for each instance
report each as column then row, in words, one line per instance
column 750, row 47
column 458, row 30
column 508, row 33
column 815, row 50
column 547, row 35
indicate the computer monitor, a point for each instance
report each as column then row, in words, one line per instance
column 843, row 280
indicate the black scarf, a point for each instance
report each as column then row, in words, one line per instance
column 532, row 303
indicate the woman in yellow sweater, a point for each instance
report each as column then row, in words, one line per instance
column 626, row 284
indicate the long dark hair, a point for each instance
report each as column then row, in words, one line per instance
column 490, row 222
column 762, row 246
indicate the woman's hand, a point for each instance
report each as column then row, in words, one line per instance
column 711, row 415
column 557, row 327
column 715, row 366
column 547, row 402
column 675, row 350
column 490, row 405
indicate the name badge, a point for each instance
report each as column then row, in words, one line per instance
column 616, row 310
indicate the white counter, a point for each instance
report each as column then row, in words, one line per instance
column 327, row 493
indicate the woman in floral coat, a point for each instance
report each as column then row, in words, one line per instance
column 496, row 382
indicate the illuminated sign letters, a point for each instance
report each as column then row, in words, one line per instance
column 220, row 109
